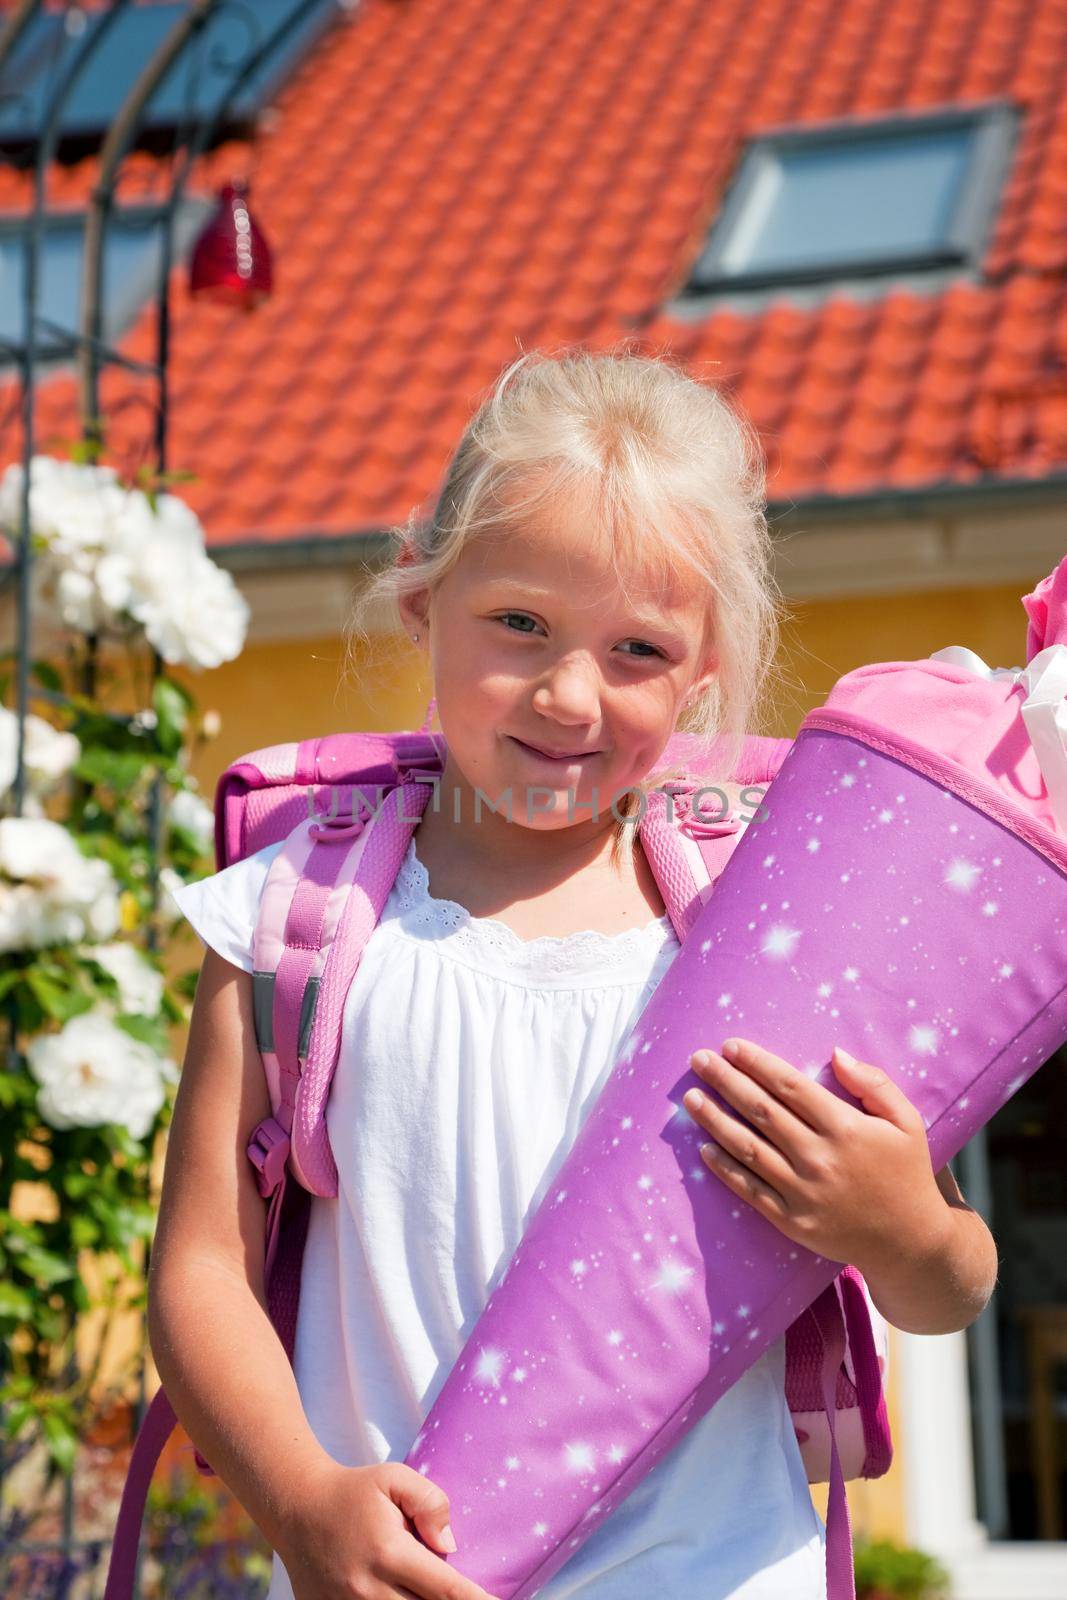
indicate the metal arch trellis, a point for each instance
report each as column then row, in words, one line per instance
column 88, row 346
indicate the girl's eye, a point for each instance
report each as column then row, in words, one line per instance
column 645, row 646
column 641, row 643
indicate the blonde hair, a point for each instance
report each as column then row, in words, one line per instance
column 675, row 479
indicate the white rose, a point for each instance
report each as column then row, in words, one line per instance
column 65, row 896
column 188, row 812
column 49, row 754
column 38, row 851
column 9, row 733
column 79, row 602
column 140, row 985
column 101, row 912
column 65, row 589
column 159, row 573
column 71, row 505
column 198, row 618
column 115, row 581
column 29, row 920
column 94, row 1074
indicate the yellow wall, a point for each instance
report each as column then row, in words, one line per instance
column 830, row 637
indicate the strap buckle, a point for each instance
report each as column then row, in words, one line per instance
column 690, row 820
column 698, row 827
column 268, row 1151
column 334, row 826
column 336, row 829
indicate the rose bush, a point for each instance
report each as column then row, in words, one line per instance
column 111, row 818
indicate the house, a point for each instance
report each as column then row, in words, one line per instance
column 852, row 216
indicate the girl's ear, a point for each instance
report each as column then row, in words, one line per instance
column 413, row 610
column 413, row 604
column 706, row 679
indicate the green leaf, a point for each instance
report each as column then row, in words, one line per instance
column 118, row 770
column 8, row 980
column 78, row 1184
column 171, row 705
column 186, row 983
column 47, row 675
column 172, row 1008
column 17, row 1418
column 123, row 1143
column 46, row 1267
column 60, row 1439
column 19, row 1386
column 15, row 1302
column 59, row 1001
column 84, row 1232
column 90, row 445
column 146, row 1030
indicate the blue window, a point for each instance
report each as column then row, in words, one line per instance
column 858, row 199
column 131, row 268
column 192, row 89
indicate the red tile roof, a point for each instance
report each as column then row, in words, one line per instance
column 448, row 182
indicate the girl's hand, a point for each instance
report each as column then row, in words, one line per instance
column 848, row 1184
column 354, row 1538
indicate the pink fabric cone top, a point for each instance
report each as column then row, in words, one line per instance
column 904, row 896
column 1004, row 727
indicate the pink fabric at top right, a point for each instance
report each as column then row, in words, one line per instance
column 969, row 717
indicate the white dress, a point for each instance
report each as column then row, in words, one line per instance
column 469, row 1060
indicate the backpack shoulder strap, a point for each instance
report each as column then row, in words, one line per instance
column 692, row 825
column 688, row 836
column 321, row 902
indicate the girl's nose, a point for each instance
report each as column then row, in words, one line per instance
column 570, row 690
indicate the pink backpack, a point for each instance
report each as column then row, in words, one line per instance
column 346, row 806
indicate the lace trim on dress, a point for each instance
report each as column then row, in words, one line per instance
column 549, row 953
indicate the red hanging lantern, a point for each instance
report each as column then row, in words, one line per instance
column 231, row 261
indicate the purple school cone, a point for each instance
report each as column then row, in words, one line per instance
column 905, row 896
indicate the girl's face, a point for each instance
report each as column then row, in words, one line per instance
column 537, row 647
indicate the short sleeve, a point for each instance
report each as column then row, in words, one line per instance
column 222, row 908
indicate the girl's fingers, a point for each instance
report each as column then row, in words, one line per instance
column 764, row 1146
column 762, row 1196
column 740, row 1143
column 429, row 1577
column 758, row 1102
column 809, row 1103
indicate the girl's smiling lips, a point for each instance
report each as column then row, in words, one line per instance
column 548, row 755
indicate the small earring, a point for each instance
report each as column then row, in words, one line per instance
column 415, row 638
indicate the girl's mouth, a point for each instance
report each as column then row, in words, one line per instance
column 556, row 761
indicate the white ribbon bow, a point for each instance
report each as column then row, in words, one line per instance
column 1044, row 682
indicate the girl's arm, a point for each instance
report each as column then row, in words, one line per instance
column 945, row 1281
column 220, row 1359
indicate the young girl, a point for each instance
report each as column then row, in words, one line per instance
column 595, row 576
